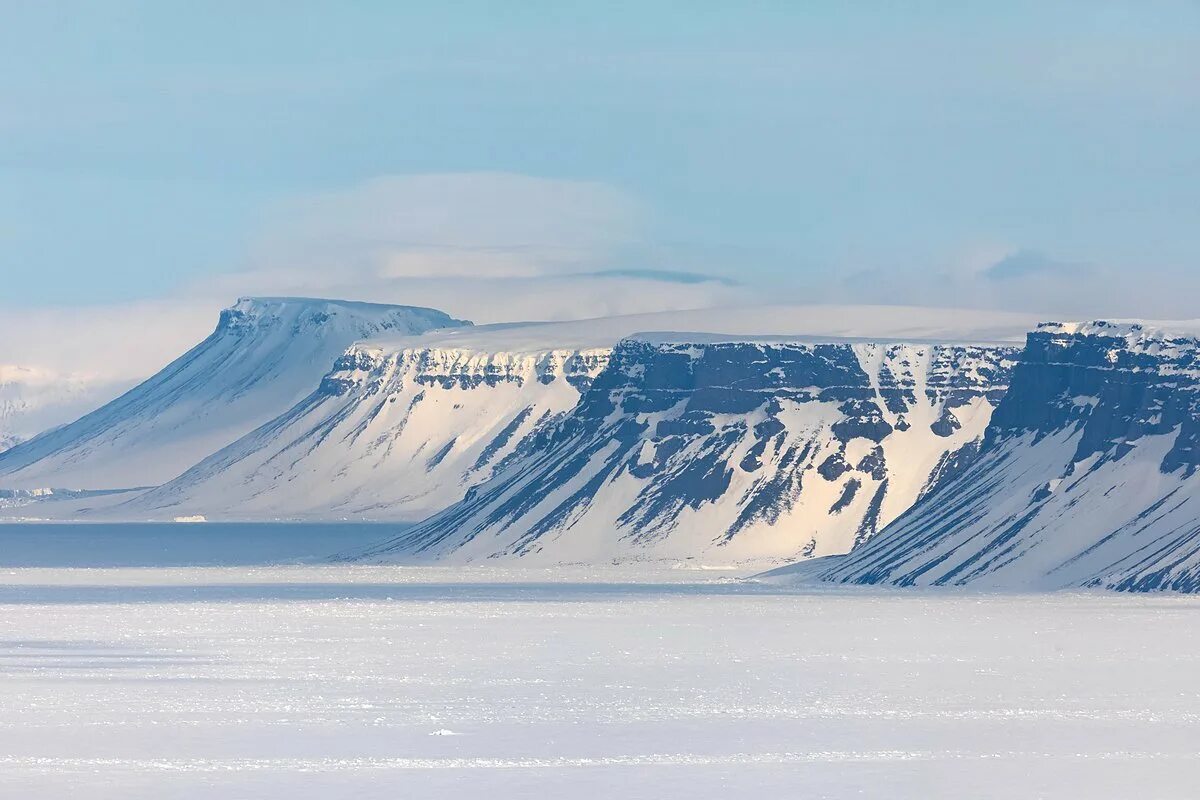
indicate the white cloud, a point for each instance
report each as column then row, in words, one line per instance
column 104, row 344
column 1030, row 265
column 453, row 225
column 486, row 246
column 57, row 364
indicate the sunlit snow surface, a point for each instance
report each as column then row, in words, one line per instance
column 315, row 681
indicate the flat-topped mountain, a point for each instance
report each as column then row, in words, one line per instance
column 263, row 356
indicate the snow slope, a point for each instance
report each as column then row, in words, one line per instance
column 265, row 354
column 389, row 434
column 1088, row 474
column 728, row 448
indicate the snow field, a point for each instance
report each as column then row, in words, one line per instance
column 379, row 681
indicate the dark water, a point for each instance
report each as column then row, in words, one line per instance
column 166, row 544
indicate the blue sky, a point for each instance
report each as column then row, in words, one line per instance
column 1025, row 155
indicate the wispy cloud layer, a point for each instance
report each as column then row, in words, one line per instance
column 452, row 225
column 104, row 344
column 487, row 246
column 1031, row 264
column 1023, row 279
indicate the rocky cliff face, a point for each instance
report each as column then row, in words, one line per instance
column 730, row 449
column 1087, row 475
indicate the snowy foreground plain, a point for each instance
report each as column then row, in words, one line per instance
column 252, row 680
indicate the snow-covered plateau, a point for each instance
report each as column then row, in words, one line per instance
column 301, row 680
column 763, row 434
